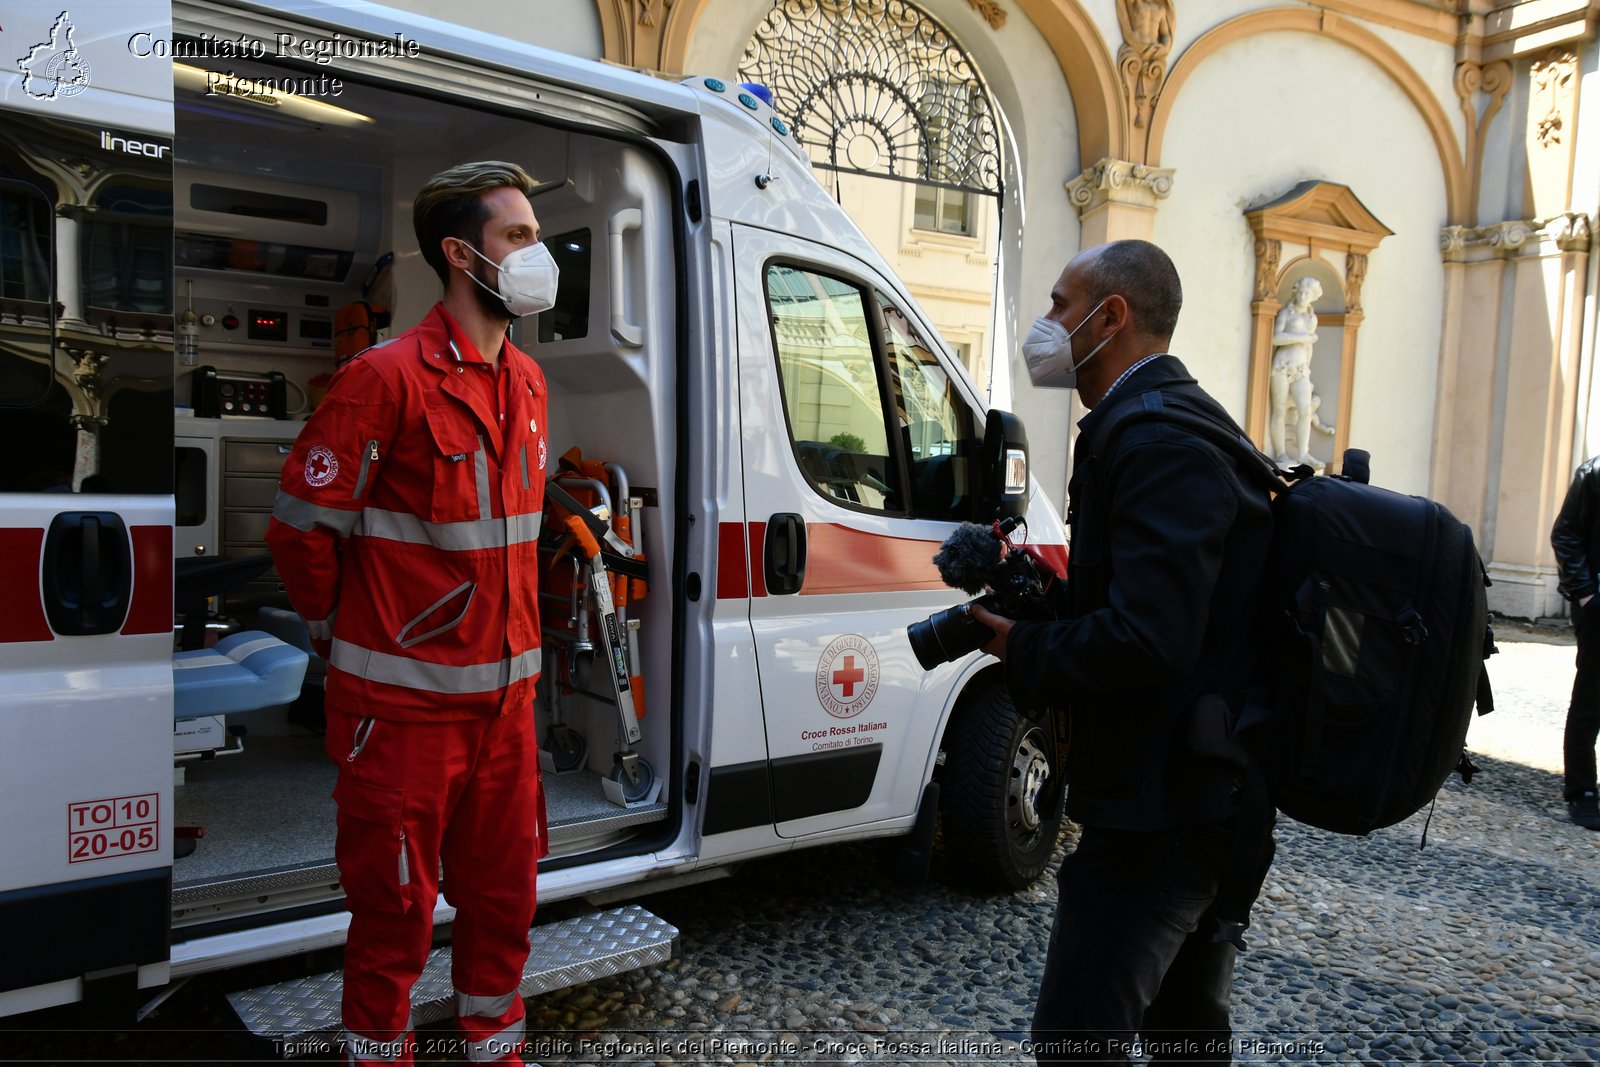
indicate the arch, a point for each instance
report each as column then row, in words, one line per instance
column 1071, row 34
column 878, row 87
column 1323, row 24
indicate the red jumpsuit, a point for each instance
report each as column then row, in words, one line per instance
column 405, row 531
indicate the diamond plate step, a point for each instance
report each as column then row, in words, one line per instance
column 565, row 953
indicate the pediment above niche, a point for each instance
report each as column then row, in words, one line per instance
column 1322, row 214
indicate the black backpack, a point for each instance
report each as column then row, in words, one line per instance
column 1377, row 636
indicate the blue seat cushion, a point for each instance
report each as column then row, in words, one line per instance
column 245, row 672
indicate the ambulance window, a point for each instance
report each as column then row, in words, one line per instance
column 938, row 426
column 831, row 390
column 570, row 317
column 128, row 249
column 27, row 247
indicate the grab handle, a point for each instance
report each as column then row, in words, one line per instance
column 626, row 332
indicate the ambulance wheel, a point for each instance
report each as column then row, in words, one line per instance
column 1000, row 803
column 568, row 748
column 630, row 791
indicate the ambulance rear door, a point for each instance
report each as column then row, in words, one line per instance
column 86, row 505
column 855, row 442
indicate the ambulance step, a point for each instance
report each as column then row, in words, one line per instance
column 565, row 953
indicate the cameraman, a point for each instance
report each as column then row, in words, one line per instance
column 1167, row 542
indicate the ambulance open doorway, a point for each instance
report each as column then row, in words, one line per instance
column 283, row 205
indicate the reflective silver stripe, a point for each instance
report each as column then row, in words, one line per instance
column 461, row 536
column 304, row 515
column 432, row 677
column 405, row 639
column 480, row 466
column 526, row 484
column 499, row 1046
column 360, row 1049
column 484, row 1007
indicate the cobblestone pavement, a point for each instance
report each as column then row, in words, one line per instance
column 1483, row 947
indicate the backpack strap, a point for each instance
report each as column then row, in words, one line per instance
column 1157, row 404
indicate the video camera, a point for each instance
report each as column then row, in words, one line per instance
column 1014, row 580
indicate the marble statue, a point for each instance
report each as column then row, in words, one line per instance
column 1294, row 334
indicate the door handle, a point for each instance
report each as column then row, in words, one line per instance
column 88, row 573
column 785, row 554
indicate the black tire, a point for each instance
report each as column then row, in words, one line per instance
column 999, row 805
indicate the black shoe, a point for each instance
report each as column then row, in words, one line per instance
column 1585, row 810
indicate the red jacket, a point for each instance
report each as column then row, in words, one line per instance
column 406, row 529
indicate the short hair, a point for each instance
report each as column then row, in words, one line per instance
column 1144, row 276
column 450, row 204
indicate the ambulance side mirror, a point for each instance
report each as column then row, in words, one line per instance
column 1002, row 490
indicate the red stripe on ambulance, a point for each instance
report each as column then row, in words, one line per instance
column 733, row 580
column 840, row 559
column 23, row 619
column 151, row 610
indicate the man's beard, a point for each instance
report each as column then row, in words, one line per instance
column 489, row 301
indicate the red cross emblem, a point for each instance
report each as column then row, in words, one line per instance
column 322, row 466
column 849, row 676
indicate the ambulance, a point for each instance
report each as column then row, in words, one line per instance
column 205, row 205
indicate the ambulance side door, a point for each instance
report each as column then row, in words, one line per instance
column 86, row 510
column 836, row 386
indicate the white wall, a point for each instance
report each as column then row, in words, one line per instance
column 1249, row 124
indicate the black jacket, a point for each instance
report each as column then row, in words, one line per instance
column 1576, row 534
column 1168, row 543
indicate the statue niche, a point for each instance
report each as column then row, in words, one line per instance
column 1314, row 239
column 1294, row 398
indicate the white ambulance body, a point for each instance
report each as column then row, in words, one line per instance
column 795, row 438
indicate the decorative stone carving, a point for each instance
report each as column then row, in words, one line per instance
column 992, row 12
column 1471, row 80
column 1569, row 231
column 1267, row 255
column 652, row 11
column 1552, row 78
column 1147, row 30
column 1116, row 180
column 1355, row 273
column 1294, row 334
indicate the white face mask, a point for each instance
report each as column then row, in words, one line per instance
column 1047, row 350
column 528, row 278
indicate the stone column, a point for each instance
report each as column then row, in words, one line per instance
column 69, row 265
column 1117, row 200
column 1508, row 394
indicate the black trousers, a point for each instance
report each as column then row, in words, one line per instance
column 1583, row 714
column 1131, row 952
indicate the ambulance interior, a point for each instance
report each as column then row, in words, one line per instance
column 283, row 207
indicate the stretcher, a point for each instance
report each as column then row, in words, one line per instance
column 590, row 571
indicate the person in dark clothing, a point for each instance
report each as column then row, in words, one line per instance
column 1164, row 590
column 1576, row 540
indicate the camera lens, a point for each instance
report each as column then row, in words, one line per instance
column 947, row 635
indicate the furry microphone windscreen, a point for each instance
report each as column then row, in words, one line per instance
column 968, row 557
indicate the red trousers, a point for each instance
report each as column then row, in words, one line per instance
column 412, row 795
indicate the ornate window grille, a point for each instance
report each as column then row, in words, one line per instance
column 878, row 87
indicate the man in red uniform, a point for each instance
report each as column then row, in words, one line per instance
column 405, row 531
